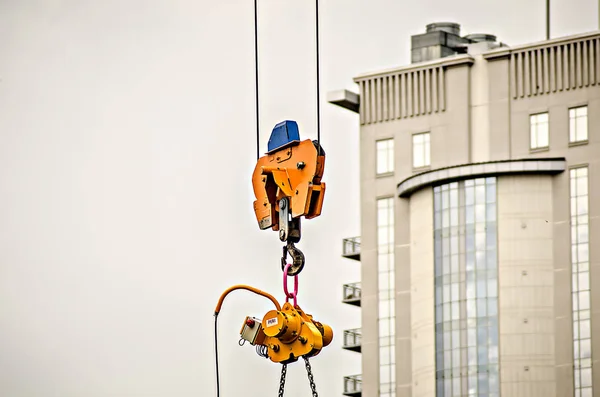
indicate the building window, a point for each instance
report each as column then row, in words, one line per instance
column 385, row 156
column 386, row 285
column 580, row 270
column 466, row 288
column 538, row 125
column 578, row 124
column 421, row 150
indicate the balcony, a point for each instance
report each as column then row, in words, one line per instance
column 352, row 339
column 351, row 248
column 352, row 294
column 353, row 386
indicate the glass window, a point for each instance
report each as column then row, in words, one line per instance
column 385, row 156
column 385, row 242
column 582, row 350
column 538, row 125
column 578, row 124
column 586, row 377
column 466, row 280
column 421, row 150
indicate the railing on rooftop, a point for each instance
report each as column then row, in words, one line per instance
column 352, row 294
column 352, row 339
column 351, row 248
column 353, row 385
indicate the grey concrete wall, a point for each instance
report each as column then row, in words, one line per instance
column 403, row 299
column 450, row 137
column 368, row 256
column 499, row 110
column 422, row 293
column 526, row 286
column 557, row 105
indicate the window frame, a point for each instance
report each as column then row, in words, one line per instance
column 587, row 125
column 390, row 161
column 582, row 343
column 426, row 150
column 531, row 124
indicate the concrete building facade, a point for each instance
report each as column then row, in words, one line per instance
column 480, row 220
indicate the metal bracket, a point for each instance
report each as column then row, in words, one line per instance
column 289, row 228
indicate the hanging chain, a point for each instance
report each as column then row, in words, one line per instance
column 311, row 380
column 282, row 380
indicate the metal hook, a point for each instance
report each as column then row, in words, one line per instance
column 297, row 259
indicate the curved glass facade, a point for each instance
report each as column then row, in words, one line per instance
column 580, row 267
column 466, row 288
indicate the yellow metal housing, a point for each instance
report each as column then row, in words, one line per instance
column 290, row 333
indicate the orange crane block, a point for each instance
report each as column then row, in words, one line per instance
column 291, row 170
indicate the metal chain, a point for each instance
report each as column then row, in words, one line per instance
column 311, row 380
column 282, row 380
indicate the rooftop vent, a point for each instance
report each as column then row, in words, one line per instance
column 481, row 37
column 448, row 27
column 442, row 39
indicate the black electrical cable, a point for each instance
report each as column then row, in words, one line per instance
column 256, row 78
column 217, row 355
column 318, row 77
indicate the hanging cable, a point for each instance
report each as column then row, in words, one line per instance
column 256, row 78
column 318, row 77
column 218, row 310
column 217, row 355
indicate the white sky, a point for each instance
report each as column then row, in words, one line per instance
column 127, row 143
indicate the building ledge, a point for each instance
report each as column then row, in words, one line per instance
column 345, row 99
column 506, row 51
column 478, row 170
column 455, row 60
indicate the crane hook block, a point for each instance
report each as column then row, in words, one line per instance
column 291, row 169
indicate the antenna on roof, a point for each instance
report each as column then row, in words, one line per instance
column 548, row 19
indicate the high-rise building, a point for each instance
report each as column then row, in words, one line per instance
column 479, row 167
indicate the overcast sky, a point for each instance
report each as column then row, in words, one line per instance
column 127, row 144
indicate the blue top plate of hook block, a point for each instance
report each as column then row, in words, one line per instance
column 283, row 134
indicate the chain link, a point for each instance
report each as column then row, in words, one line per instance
column 311, row 380
column 282, row 380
